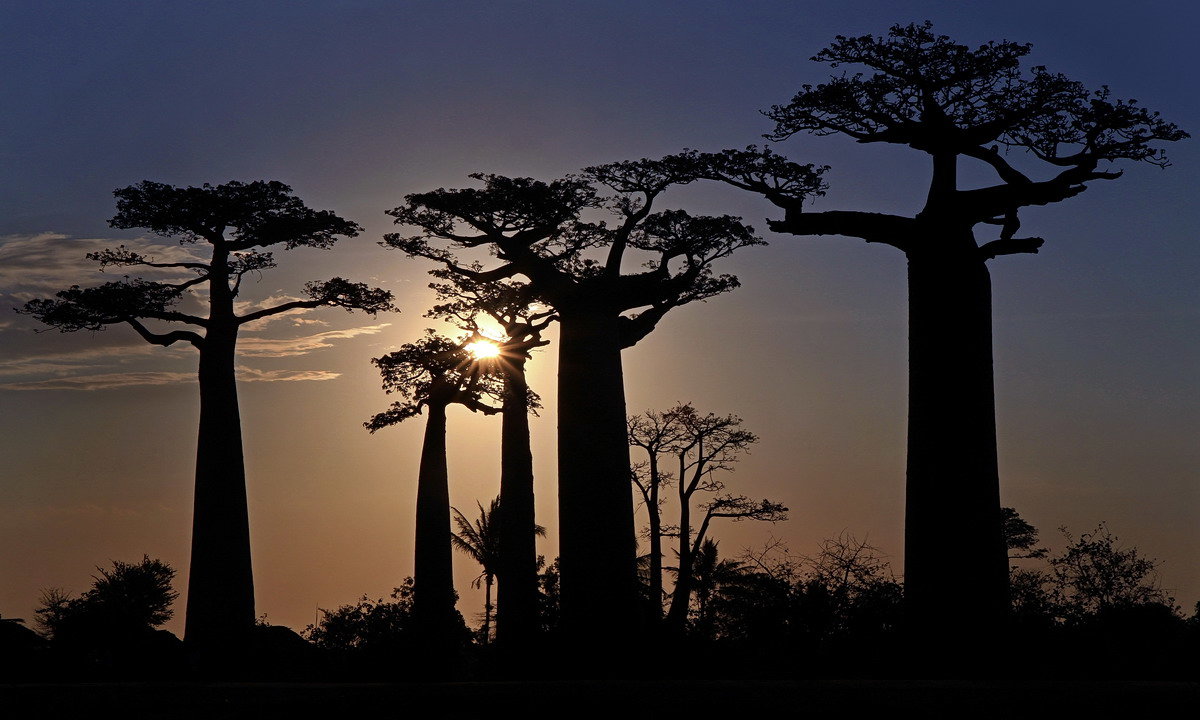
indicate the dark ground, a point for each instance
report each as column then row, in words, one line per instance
column 624, row 700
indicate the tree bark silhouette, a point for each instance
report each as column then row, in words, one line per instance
column 234, row 220
column 220, row 605
column 949, row 101
column 433, row 570
column 953, row 484
column 596, row 536
column 535, row 229
column 517, row 591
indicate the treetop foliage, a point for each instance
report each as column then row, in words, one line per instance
column 129, row 597
column 1094, row 573
column 933, row 94
column 433, row 370
column 93, row 308
column 548, row 233
column 255, row 214
column 235, row 218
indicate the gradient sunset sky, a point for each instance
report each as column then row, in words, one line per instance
column 357, row 103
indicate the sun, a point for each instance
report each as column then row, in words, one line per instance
column 481, row 349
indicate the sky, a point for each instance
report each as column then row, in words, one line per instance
column 357, row 103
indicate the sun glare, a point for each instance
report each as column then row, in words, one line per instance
column 481, row 349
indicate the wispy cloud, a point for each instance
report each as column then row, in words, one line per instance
column 246, row 374
column 37, row 265
column 109, row 381
column 68, row 362
column 288, row 347
column 104, row 381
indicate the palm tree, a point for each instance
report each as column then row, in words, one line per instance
column 480, row 540
column 709, row 572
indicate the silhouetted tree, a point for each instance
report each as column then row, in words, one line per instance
column 1094, row 575
column 655, row 433
column 703, row 446
column 575, row 267
column 1019, row 536
column 129, row 598
column 946, row 100
column 510, row 305
column 710, row 573
column 548, row 596
column 854, row 580
column 750, row 599
column 480, row 540
column 377, row 639
column 235, row 220
column 430, row 375
column 378, row 627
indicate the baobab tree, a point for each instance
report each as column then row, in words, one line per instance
column 430, row 375
column 949, row 101
column 509, row 305
column 234, row 220
column 536, row 230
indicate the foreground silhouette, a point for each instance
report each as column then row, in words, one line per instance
column 949, row 101
column 233, row 220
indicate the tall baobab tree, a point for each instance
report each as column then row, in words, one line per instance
column 234, row 220
column 430, row 375
column 510, row 306
column 950, row 102
column 536, row 230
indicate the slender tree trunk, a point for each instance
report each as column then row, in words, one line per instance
column 220, row 603
column 433, row 578
column 956, row 571
column 681, row 596
column 517, row 595
column 596, row 541
column 487, row 609
column 655, row 517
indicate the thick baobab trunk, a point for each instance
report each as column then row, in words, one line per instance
column 517, row 595
column 220, row 603
column 596, row 541
column 955, row 574
column 433, row 574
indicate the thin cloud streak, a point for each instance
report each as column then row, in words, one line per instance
column 289, row 347
column 108, row 381
column 34, row 265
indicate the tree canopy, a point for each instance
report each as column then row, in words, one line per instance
column 234, row 218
